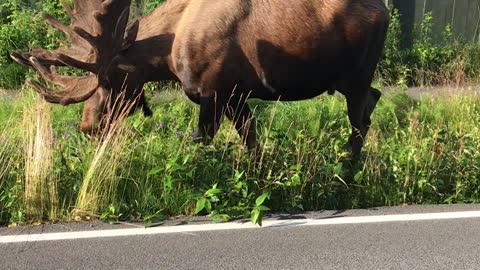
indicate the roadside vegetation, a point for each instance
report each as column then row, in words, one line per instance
column 147, row 169
column 433, row 58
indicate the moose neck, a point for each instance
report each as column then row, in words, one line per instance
column 150, row 52
column 163, row 19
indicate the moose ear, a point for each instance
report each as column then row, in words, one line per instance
column 125, row 68
column 131, row 35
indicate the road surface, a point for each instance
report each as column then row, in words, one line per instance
column 413, row 237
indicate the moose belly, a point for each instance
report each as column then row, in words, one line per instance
column 273, row 91
column 290, row 81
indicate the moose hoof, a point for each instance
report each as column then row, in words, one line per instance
column 352, row 149
column 200, row 138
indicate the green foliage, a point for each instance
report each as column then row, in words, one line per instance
column 11, row 205
column 391, row 67
column 416, row 152
column 143, row 7
column 22, row 29
column 150, row 5
column 431, row 60
column 111, row 216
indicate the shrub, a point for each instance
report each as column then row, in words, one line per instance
column 429, row 61
column 22, row 28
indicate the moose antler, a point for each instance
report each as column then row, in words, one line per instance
column 96, row 33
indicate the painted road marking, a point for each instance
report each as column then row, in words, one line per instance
column 269, row 223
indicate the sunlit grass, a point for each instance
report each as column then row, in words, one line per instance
column 147, row 168
column 40, row 186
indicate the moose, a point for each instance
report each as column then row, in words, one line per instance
column 222, row 52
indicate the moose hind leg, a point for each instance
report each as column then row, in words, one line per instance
column 241, row 116
column 209, row 120
column 357, row 109
column 373, row 97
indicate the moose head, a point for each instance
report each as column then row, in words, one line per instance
column 97, row 37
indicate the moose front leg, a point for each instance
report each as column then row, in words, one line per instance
column 139, row 94
column 241, row 116
column 147, row 112
column 209, row 119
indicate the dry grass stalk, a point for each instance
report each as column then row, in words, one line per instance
column 6, row 151
column 40, row 192
column 99, row 186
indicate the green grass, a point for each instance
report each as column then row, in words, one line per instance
column 147, row 168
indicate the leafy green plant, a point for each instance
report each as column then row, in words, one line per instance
column 259, row 209
column 111, row 216
column 22, row 28
column 431, row 60
column 392, row 68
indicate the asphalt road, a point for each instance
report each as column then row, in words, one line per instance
column 385, row 238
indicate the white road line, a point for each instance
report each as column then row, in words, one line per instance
column 271, row 223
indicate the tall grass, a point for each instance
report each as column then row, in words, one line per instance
column 40, row 186
column 147, row 168
column 7, row 147
column 102, row 176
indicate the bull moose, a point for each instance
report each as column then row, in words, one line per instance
column 222, row 52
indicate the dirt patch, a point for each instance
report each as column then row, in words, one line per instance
column 422, row 92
